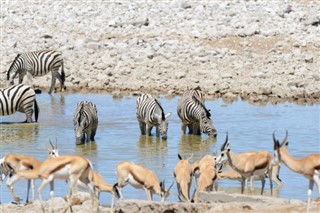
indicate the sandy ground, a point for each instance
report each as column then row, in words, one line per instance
column 261, row 51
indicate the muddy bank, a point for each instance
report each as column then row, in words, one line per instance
column 208, row 202
column 257, row 50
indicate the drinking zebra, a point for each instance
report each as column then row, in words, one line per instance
column 194, row 115
column 85, row 121
column 19, row 98
column 149, row 114
column 37, row 63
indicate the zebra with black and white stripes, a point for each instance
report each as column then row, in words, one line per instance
column 37, row 63
column 194, row 115
column 85, row 121
column 19, row 98
column 149, row 114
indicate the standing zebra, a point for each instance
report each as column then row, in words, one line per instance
column 19, row 98
column 37, row 63
column 194, row 115
column 150, row 113
column 85, row 121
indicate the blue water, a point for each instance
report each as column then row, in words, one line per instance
column 118, row 138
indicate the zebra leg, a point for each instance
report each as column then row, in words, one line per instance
column 183, row 128
column 88, row 135
column 190, row 127
column 30, row 79
column 60, row 78
column 29, row 113
column 142, row 128
column 148, row 129
column 21, row 75
column 157, row 131
column 93, row 134
column 53, row 82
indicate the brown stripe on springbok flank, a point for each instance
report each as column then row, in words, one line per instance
column 60, row 166
column 28, row 165
column 262, row 166
column 136, row 179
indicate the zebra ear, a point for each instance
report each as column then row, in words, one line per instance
column 168, row 115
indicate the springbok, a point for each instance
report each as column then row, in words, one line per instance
column 247, row 165
column 207, row 175
column 183, row 176
column 100, row 185
column 22, row 162
column 66, row 167
column 308, row 166
column 140, row 178
column 234, row 175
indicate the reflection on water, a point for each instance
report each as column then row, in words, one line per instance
column 18, row 132
column 87, row 149
column 118, row 138
column 196, row 145
column 249, row 191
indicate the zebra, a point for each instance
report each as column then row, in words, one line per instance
column 85, row 121
column 194, row 115
column 150, row 113
column 37, row 63
column 19, row 98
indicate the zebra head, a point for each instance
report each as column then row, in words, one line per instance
column 206, row 124
column 2, row 170
column 78, row 128
column 79, row 124
column 13, row 70
column 163, row 124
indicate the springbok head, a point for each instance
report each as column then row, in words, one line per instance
column 164, row 192
column 225, row 147
column 53, row 151
column 278, row 146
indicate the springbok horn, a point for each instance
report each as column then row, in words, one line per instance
column 51, row 144
column 274, row 141
column 56, row 143
column 190, row 157
column 285, row 139
column 225, row 143
column 170, row 186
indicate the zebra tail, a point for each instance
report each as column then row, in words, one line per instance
column 63, row 75
column 36, row 110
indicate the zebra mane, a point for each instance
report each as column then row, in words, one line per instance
column 198, row 88
column 203, row 106
column 16, row 58
column 163, row 117
column 80, row 110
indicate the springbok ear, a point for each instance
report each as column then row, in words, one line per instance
column 228, row 146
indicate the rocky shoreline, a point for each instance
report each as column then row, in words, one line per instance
column 208, row 202
column 260, row 51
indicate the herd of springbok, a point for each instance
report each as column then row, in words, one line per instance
column 206, row 172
